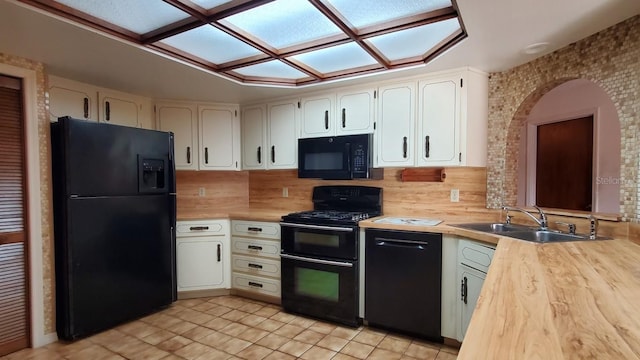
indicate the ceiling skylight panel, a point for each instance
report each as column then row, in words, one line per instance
column 139, row 16
column 371, row 12
column 284, row 23
column 271, row 69
column 336, row 58
column 211, row 44
column 209, row 4
column 415, row 41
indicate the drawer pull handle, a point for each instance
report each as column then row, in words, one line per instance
column 254, row 229
column 254, row 247
column 255, row 284
column 463, row 290
column 255, row 266
column 199, row 228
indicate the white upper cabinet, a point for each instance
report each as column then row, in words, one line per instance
column 355, row 112
column 395, row 125
column 84, row 101
column 317, row 116
column 121, row 109
column 442, row 123
column 71, row 99
column 182, row 120
column 254, row 137
column 439, row 122
column 282, row 135
column 219, row 137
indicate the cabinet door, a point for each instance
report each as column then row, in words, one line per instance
column 396, row 119
column 200, row 263
column 470, row 281
column 355, row 113
column 219, row 138
column 283, row 141
column 439, row 123
column 118, row 110
column 77, row 103
column 317, row 117
column 181, row 119
column 254, row 126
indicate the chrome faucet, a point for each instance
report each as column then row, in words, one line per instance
column 542, row 222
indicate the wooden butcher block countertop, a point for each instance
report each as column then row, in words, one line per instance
column 568, row 300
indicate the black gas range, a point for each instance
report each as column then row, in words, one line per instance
column 340, row 205
column 319, row 253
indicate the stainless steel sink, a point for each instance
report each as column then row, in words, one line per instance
column 543, row 236
column 525, row 232
column 494, row 227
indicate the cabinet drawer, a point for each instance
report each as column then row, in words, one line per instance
column 257, row 284
column 258, row 247
column 475, row 255
column 202, row 228
column 257, row 266
column 261, row 229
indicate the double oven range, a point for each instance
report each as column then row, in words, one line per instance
column 320, row 265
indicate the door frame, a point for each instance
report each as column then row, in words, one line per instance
column 33, row 204
column 532, row 145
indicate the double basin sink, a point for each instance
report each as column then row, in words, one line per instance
column 525, row 232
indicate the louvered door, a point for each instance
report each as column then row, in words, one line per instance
column 14, row 332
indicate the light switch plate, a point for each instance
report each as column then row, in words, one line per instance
column 285, row 192
column 201, row 191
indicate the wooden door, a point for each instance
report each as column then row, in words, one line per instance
column 282, row 136
column 317, row 117
column 564, row 165
column 14, row 330
column 182, row 120
column 355, row 112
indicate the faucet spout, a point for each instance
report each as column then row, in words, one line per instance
column 542, row 222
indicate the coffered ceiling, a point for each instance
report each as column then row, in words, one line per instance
column 288, row 42
column 497, row 32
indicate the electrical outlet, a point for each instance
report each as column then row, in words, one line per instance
column 455, row 195
column 285, row 192
column 201, row 191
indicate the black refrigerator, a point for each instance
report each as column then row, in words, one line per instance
column 114, row 224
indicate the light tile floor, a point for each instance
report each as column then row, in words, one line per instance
column 231, row 327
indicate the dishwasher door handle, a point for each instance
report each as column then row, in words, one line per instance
column 401, row 243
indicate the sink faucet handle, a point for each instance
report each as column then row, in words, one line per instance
column 507, row 216
column 572, row 227
column 543, row 217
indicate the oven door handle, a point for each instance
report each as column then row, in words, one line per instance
column 317, row 261
column 318, row 227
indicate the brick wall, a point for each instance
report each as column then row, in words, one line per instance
column 611, row 59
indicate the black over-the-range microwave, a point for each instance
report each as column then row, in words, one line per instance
column 337, row 158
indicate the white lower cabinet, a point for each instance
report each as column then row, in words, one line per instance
column 255, row 257
column 474, row 259
column 203, row 255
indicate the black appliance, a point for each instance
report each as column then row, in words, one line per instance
column 319, row 253
column 337, row 158
column 403, row 278
column 114, row 224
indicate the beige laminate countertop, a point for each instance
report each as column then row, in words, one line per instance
column 570, row 300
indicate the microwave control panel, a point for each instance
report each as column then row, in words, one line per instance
column 360, row 165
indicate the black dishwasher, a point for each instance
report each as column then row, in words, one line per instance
column 403, row 276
